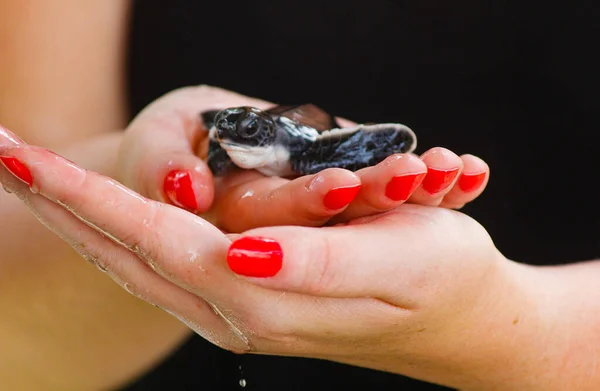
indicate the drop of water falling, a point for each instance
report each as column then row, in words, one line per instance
column 242, row 381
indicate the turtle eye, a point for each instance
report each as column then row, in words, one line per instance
column 249, row 129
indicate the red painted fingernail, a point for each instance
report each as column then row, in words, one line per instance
column 471, row 182
column 437, row 180
column 179, row 189
column 255, row 256
column 402, row 186
column 339, row 197
column 18, row 169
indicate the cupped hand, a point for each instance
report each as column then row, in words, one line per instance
column 161, row 158
column 404, row 291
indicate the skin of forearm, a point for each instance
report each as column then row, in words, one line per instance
column 535, row 328
column 62, row 73
column 65, row 325
column 540, row 330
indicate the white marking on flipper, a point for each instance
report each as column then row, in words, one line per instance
column 369, row 129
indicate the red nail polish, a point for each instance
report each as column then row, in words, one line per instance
column 18, row 169
column 402, row 186
column 179, row 189
column 471, row 182
column 255, row 257
column 438, row 180
column 340, row 197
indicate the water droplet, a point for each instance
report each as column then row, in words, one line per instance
column 101, row 267
column 247, row 194
column 35, row 189
column 6, row 189
column 243, row 383
column 193, row 255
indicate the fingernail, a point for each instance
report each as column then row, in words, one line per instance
column 179, row 189
column 255, row 256
column 438, row 180
column 402, row 186
column 340, row 197
column 18, row 169
column 471, row 182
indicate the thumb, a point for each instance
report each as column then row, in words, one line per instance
column 158, row 155
column 343, row 261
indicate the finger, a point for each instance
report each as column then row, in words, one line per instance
column 443, row 169
column 126, row 269
column 243, row 308
column 158, row 155
column 385, row 186
column 179, row 245
column 267, row 201
column 343, row 262
column 470, row 184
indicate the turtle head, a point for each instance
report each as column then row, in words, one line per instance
column 248, row 136
column 246, row 127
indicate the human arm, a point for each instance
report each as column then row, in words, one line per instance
column 65, row 326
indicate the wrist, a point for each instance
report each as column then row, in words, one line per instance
column 503, row 347
column 490, row 338
column 536, row 329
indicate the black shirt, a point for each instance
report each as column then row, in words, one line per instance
column 514, row 82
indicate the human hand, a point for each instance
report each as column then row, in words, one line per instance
column 404, row 291
column 161, row 158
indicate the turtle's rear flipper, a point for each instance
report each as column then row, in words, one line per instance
column 354, row 148
column 308, row 115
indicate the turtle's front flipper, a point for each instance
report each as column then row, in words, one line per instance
column 218, row 160
column 354, row 148
column 208, row 118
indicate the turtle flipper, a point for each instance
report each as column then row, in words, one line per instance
column 208, row 118
column 218, row 160
column 354, row 148
column 307, row 115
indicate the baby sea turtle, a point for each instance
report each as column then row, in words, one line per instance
column 297, row 140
